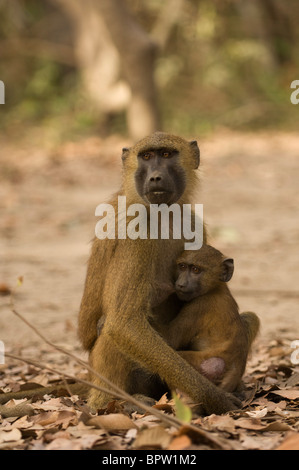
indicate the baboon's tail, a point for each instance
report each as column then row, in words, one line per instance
column 251, row 324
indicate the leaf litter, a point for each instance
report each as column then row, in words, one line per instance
column 268, row 420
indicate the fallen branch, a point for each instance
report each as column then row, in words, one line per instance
column 118, row 392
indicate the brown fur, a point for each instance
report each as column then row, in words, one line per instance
column 120, row 281
column 210, row 325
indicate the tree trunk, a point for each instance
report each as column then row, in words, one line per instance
column 137, row 56
column 116, row 58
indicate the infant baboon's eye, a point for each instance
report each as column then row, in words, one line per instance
column 195, row 269
column 182, row 266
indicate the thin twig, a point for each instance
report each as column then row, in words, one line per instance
column 58, row 372
column 114, row 387
column 118, row 392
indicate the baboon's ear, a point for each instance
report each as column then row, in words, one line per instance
column 196, row 153
column 227, row 269
column 125, row 153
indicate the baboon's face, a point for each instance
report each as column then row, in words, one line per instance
column 162, row 166
column 159, row 177
column 189, row 283
column 199, row 272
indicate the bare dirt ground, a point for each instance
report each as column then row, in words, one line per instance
column 48, row 196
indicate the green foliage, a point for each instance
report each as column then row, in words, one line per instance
column 224, row 64
column 182, row 411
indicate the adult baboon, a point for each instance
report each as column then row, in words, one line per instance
column 122, row 275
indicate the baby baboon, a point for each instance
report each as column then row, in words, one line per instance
column 216, row 337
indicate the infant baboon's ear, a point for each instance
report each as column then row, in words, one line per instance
column 227, row 269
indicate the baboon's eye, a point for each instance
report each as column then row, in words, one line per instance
column 196, row 269
column 146, row 156
column 165, row 154
column 182, row 266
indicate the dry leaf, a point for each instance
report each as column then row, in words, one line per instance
column 25, row 423
column 222, row 423
column 290, row 394
column 250, row 423
column 54, row 418
column 64, row 444
column 147, row 420
column 164, row 407
column 257, row 413
column 42, row 379
column 198, row 435
column 163, row 400
column 155, row 437
column 11, row 435
column 293, row 380
column 276, row 351
column 259, row 442
column 4, row 289
column 87, row 441
column 180, row 443
column 54, row 404
column 277, row 426
column 112, row 422
column 49, row 435
column 291, row 442
column 256, row 425
column 131, row 434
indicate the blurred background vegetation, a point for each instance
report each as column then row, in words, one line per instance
column 129, row 66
